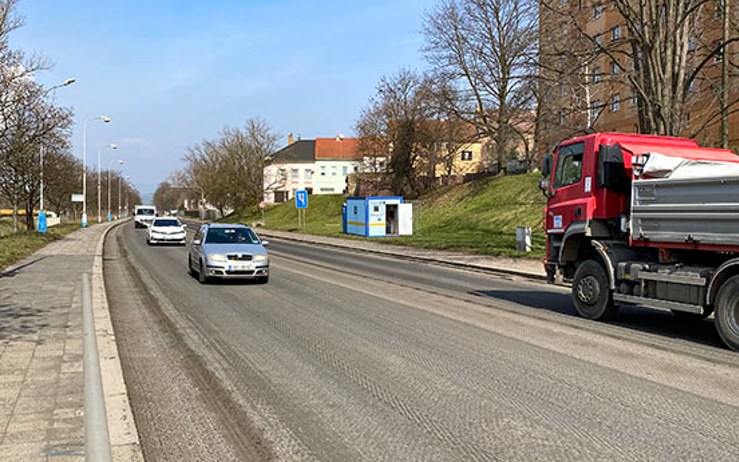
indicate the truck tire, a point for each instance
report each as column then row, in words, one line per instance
column 592, row 297
column 727, row 312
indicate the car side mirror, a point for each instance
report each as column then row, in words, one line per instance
column 196, row 242
column 265, row 243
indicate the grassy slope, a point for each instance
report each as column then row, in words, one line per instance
column 479, row 216
column 15, row 247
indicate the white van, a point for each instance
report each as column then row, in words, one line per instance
column 144, row 215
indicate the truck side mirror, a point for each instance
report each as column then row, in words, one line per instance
column 546, row 165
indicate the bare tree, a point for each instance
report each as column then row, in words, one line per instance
column 230, row 169
column 482, row 53
column 397, row 125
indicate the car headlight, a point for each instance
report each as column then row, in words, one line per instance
column 261, row 258
column 216, row 257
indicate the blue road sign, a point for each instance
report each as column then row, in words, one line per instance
column 301, row 199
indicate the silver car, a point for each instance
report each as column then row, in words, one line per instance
column 228, row 251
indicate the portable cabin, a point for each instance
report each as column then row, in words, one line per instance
column 377, row 216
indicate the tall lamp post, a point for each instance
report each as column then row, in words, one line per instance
column 41, row 213
column 120, row 162
column 106, row 120
column 100, row 173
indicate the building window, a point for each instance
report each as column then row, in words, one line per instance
column 309, row 174
column 334, row 170
column 466, row 155
column 634, row 100
column 562, row 117
column 596, row 75
column 598, row 42
column 692, row 43
column 691, row 86
column 595, row 108
column 597, row 10
column 615, row 68
column 282, row 174
column 615, row 103
column 323, row 170
column 617, row 33
column 345, row 170
column 562, row 89
column 327, row 190
column 563, row 30
column 294, row 174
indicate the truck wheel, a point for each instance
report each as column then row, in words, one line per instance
column 590, row 292
column 727, row 312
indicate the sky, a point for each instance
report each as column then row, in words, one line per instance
column 170, row 73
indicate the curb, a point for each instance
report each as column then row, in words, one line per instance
column 124, row 438
column 483, row 268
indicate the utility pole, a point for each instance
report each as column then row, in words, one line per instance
column 725, row 77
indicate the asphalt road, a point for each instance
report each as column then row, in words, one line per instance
column 345, row 356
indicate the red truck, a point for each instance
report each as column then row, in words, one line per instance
column 645, row 220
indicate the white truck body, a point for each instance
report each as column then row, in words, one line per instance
column 144, row 215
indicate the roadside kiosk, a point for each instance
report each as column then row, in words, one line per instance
column 377, row 216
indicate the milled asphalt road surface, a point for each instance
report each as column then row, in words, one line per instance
column 345, row 356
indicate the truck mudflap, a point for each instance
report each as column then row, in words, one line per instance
column 612, row 254
column 728, row 269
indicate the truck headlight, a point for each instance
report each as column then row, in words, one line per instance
column 216, row 257
column 260, row 258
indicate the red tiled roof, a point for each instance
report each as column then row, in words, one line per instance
column 331, row 148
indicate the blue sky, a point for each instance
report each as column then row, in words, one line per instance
column 172, row 72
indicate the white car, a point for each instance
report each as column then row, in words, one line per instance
column 166, row 231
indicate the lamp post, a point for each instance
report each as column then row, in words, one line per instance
column 120, row 162
column 41, row 213
column 100, row 160
column 106, row 120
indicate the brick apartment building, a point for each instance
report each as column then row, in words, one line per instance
column 588, row 87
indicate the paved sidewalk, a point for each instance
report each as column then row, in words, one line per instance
column 41, row 338
column 525, row 267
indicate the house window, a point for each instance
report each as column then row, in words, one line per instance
column 294, row 174
column 692, row 43
column 597, row 10
column 634, row 100
column 562, row 89
column 691, row 86
column 562, row 117
column 327, row 190
column 617, row 33
column 615, row 68
column 345, row 170
column 615, row 103
column 334, row 170
column 563, row 30
column 598, row 42
column 323, row 170
column 466, row 155
column 308, row 174
column 282, row 174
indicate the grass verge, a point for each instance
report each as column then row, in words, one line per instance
column 16, row 247
column 478, row 217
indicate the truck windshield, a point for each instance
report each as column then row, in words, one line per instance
column 145, row 212
column 569, row 165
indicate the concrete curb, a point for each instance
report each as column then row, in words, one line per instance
column 349, row 246
column 124, row 438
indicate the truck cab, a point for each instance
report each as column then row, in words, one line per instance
column 621, row 237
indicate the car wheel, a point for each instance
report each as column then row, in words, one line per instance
column 202, row 277
column 190, row 269
column 590, row 292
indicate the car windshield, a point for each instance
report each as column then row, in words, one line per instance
column 147, row 212
column 231, row 236
column 166, row 223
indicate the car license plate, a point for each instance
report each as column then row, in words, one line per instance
column 241, row 267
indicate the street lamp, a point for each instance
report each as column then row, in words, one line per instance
column 120, row 162
column 100, row 173
column 41, row 213
column 106, row 120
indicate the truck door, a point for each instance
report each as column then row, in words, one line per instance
column 570, row 190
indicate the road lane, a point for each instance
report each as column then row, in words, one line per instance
column 363, row 359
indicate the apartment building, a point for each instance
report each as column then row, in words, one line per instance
column 336, row 158
column 588, row 88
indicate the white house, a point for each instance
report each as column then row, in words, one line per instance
column 336, row 158
column 290, row 169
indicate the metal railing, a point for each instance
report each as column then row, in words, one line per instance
column 97, row 438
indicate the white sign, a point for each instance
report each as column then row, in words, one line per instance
column 588, row 184
column 78, row 198
column 557, row 221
